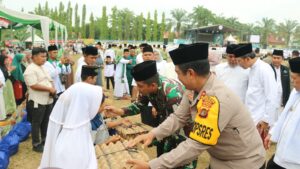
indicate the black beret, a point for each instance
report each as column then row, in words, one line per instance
column 148, row 48
column 52, row 47
column 143, row 45
column 130, row 46
column 295, row 65
column 182, row 45
column 231, row 48
column 243, row 49
column 91, row 50
column 83, row 50
column 89, row 70
column 189, row 53
column 144, row 70
column 278, row 52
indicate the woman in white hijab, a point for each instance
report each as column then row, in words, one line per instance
column 164, row 68
column 69, row 143
column 160, row 62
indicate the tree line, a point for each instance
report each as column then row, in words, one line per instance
column 124, row 24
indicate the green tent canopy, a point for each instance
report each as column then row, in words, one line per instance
column 20, row 20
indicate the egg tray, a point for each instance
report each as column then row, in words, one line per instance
column 130, row 132
column 114, row 156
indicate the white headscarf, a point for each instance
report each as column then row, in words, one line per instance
column 160, row 58
column 69, row 143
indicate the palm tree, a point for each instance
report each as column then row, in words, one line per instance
column 297, row 35
column 179, row 16
column 202, row 16
column 287, row 29
column 232, row 22
column 267, row 26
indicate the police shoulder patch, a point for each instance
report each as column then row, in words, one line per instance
column 206, row 127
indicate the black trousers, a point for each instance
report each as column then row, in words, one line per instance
column 56, row 98
column 112, row 82
column 273, row 165
column 39, row 118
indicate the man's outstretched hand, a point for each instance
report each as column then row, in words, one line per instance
column 146, row 139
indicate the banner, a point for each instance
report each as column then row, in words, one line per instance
column 4, row 23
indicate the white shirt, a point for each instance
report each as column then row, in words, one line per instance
column 55, row 70
column 261, row 93
column 80, row 60
column 119, row 68
column 78, row 72
column 236, row 78
column 279, row 85
column 101, row 53
column 110, row 52
column 109, row 70
column 79, row 47
column 286, row 133
column 139, row 58
column 35, row 74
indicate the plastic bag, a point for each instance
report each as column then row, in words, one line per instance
column 23, row 130
column 4, row 156
column 11, row 141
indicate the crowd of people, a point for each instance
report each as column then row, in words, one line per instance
column 232, row 109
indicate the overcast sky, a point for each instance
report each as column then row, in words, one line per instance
column 247, row 11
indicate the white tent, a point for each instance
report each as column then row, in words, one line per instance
column 37, row 39
column 43, row 23
column 230, row 39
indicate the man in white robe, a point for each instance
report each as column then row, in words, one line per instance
column 286, row 130
column 121, row 83
column 261, row 93
column 56, row 69
column 69, row 142
column 110, row 52
column 139, row 57
column 90, row 56
column 81, row 59
column 282, row 77
column 234, row 76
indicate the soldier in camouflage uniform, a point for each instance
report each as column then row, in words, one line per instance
column 164, row 94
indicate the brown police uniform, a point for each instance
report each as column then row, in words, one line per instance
column 222, row 126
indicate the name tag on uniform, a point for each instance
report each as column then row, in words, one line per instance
column 206, row 128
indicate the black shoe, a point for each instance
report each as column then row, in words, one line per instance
column 39, row 148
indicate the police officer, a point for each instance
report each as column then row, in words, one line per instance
column 222, row 125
